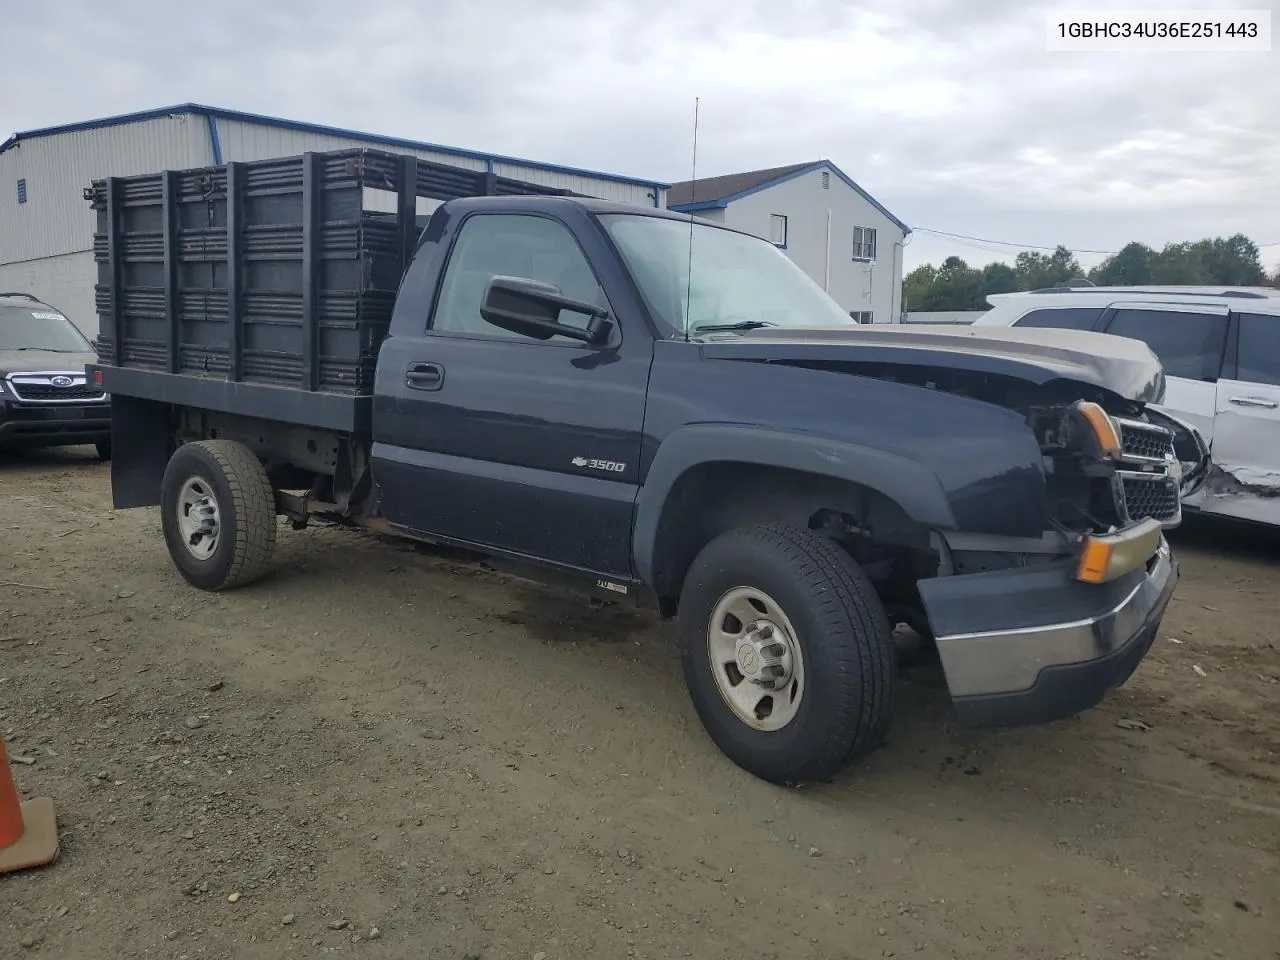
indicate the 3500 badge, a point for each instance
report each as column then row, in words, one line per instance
column 608, row 466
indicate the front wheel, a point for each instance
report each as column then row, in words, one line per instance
column 103, row 449
column 218, row 514
column 787, row 652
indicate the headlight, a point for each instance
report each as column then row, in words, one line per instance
column 1102, row 428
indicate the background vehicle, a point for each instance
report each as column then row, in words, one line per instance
column 45, row 400
column 657, row 408
column 1220, row 348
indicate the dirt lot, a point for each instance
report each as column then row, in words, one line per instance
column 478, row 767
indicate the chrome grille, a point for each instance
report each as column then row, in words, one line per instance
column 54, row 388
column 1145, row 441
column 1147, row 479
column 1149, row 497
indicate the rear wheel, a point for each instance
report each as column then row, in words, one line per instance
column 218, row 514
column 787, row 653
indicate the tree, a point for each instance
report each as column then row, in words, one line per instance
column 1035, row 270
column 915, row 286
column 1220, row 261
column 1233, row 261
column 998, row 277
column 1180, row 263
column 1131, row 266
column 957, row 286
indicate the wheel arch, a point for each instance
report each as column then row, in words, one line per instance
column 710, row 478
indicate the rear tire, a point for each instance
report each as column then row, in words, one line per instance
column 827, row 646
column 218, row 514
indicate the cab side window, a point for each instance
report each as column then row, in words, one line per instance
column 1189, row 345
column 511, row 245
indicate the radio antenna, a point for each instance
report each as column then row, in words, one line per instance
column 693, row 191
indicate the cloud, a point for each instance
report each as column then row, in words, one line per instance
column 950, row 112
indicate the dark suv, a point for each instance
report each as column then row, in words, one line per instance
column 45, row 400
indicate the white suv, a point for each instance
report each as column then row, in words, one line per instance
column 1220, row 347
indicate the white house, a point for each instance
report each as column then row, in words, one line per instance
column 46, row 225
column 828, row 225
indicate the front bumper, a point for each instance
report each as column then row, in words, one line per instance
column 1034, row 644
column 44, row 425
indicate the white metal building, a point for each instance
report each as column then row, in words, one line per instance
column 46, row 225
column 828, row 225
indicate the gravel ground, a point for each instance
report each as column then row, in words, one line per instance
column 378, row 752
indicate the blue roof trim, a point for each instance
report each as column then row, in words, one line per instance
column 819, row 165
column 304, row 127
column 158, row 113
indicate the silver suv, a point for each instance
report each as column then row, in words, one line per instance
column 1220, row 347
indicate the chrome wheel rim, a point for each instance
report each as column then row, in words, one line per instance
column 755, row 658
column 198, row 518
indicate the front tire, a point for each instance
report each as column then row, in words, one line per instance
column 103, row 449
column 218, row 514
column 787, row 652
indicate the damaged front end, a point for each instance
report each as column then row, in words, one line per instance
column 1032, row 635
column 1047, row 589
column 1191, row 449
column 1105, row 472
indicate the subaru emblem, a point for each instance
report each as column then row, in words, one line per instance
column 61, row 381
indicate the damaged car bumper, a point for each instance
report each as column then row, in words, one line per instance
column 1035, row 644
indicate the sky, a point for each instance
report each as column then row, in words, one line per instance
column 952, row 113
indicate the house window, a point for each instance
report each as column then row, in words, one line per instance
column 22, row 191
column 778, row 230
column 862, row 316
column 826, row 179
column 864, row 243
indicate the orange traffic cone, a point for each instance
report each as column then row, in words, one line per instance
column 28, row 831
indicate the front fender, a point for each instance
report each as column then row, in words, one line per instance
column 909, row 483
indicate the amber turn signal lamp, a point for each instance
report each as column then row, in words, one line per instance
column 1105, row 558
column 1103, row 427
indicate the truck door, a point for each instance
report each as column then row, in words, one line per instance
column 490, row 438
column 1246, row 430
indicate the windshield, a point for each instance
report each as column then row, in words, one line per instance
column 39, row 328
column 738, row 280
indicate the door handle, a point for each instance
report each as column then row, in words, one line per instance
column 1255, row 402
column 424, row 376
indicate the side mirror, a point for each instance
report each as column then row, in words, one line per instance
column 532, row 309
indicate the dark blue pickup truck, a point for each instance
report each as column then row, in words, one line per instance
column 663, row 409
